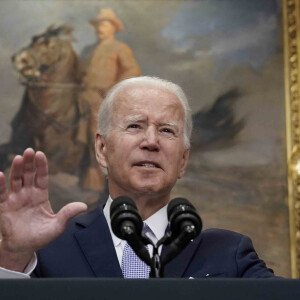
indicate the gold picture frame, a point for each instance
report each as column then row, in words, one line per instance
column 291, row 19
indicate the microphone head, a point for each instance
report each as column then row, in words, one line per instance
column 122, row 210
column 177, row 202
column 180, row 211
column 119, row 201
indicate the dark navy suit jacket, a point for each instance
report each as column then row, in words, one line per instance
column 86, row 249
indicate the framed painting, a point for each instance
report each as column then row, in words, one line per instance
column 229, row 56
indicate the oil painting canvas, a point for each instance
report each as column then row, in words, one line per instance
column 228, row 57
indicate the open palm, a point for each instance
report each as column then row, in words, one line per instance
column 27, row 221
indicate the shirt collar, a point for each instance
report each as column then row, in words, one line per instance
column 106, row 212
column 157, row 222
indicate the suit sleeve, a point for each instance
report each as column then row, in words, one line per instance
column 249, row 265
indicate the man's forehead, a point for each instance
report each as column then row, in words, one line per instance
column 139, row 118
column 140, row 92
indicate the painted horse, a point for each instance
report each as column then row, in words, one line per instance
column 50, row 116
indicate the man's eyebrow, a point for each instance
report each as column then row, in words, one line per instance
column 171, row 124
column 142, row 119
column 134, row 119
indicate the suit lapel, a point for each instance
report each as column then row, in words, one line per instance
column 96, row 244
column 177, row 266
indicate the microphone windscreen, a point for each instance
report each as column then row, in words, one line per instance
column 123, row 212
column 119, row 201
column 175, row 203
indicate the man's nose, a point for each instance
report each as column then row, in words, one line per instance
column 150, row 140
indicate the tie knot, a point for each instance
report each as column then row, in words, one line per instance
column 146, row 229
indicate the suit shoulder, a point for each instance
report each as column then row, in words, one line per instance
column 222, row 234
column 220, row 231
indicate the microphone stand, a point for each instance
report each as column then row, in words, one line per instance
column 157, row 267
column 176, row 245
column 139, row 247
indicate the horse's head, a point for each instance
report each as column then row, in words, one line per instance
column 43, row 53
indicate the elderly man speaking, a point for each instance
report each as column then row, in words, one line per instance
column 143, row 143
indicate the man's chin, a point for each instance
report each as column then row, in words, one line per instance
column 151, row 189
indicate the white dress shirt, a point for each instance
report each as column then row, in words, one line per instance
column 157, row 223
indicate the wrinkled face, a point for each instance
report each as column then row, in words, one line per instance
column 106, row 30
column 144, row 150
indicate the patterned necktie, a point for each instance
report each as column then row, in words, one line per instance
column 132, row 265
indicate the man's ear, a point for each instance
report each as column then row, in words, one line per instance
column 184, row 162
column 100, row 150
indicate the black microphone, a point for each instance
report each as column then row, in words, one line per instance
column 183, row 216
column 125, row 219
column 185, row 225
column 127, row 224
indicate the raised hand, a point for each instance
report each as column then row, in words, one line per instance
column 27, row 221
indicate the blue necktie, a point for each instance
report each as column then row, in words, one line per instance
column 132, row 265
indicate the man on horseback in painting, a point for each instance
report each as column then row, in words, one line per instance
column 111, row 62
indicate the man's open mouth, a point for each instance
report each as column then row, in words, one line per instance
column 148, row 165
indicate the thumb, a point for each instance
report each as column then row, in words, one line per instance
column 69, row 211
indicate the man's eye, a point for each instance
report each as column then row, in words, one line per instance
column 134, row 126
column 167, row 130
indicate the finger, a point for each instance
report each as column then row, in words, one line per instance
column 28, row 167
column 3, row 188
column 41, row 173
column 69, row 211
column 16, row 174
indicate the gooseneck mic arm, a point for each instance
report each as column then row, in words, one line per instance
column 127, row 224
column 185, row 225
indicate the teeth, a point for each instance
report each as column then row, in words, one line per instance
column 148, row 165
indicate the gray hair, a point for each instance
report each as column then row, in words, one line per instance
column 105, row 111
